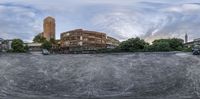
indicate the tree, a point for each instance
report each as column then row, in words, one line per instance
column 133, row 44
column 39, row 38
column 137, row 44
column 47, row 45
column 174, row 44
column 161, row 46
column 17, row 45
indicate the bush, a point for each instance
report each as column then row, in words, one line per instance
column 187, row 49
column 39, row 39
column 168, row 44
column 47, row 45
column 133, row 45
column 176, row 44
column 137, row 44
column 161, row 46
column 17, row 45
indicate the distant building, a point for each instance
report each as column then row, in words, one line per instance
column 49, row 27
column 192, row 43
column 6, row 45
column 84, row 40
column 112, row 42
column 34, row 47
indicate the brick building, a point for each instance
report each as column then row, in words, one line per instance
column 49, row 27
column 83, row 40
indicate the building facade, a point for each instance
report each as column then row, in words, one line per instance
column 84, row 40
column 192, row 43
column 112, row 42
column 6, row 45
column 49, row 27
column 80, row 40
column 34, row 47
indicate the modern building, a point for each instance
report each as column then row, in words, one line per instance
column 49, row 27
column 84, row 40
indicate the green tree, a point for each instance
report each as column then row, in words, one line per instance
column 174, row 44
column 17, row 45
column 47, row 45
column 133, row 44
column 39, row 38
column 160, row 46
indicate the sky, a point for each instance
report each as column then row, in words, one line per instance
column 122, row 19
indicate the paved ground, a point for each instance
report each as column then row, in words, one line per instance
column 171, row 75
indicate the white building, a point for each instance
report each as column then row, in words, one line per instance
column 34, row 46
column 192, row 43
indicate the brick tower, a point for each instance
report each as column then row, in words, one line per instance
column 49, row 28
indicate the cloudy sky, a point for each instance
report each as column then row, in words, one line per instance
column 122, row 19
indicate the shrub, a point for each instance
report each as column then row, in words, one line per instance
column 133, row 45
column 17, row 45
column 47, row 45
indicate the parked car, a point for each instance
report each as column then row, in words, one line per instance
column 45, row 52
column 196, row 50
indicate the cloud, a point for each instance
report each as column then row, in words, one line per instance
column 151, row 22
column 17, row 21
column 120, row 25
column 120, row 19
column 184, row 8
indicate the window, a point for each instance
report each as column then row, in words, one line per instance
column 80, row 43
column 81, row 38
